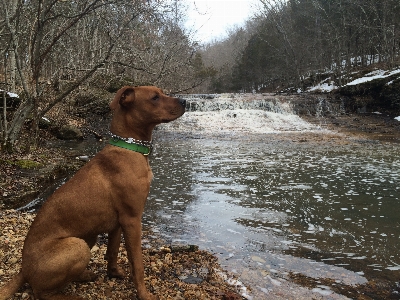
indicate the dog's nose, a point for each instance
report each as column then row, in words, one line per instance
column 182, row 102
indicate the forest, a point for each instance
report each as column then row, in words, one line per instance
column 51, row 50
column 294, row 43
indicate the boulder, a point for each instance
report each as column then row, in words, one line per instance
column 69, row 132
column 12, row 100
column 45, row 123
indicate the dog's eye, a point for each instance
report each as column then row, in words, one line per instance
column 156, row 97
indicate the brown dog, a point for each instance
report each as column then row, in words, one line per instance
column 107, row 195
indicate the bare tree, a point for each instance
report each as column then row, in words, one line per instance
column 54, row 40
column 221, row 57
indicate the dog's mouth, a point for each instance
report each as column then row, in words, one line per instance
column 174, row 114
column 170, row 120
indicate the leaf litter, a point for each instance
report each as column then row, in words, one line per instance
column 171, row 271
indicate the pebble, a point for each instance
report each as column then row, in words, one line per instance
column 12, row 260
column 168, row 259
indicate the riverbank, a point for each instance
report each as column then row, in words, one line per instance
column 171, row 271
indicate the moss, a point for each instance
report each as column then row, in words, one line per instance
column 27, row 164
column 22, row 163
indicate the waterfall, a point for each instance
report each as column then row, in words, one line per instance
column 238, row 113
column 220, row 102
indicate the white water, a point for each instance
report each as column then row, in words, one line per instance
column 239, row 120
column 220, row 102
column 239, row 113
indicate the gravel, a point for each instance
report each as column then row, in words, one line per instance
column 171, row 271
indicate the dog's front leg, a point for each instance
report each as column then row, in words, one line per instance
column 114, row 240
column 132, row 229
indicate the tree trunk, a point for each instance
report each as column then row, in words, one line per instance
column 13, row 64
column 18, row 121
column 3, row 123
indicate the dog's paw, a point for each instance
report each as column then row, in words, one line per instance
column 148, row 296
column 87, row 276
column 116, row 272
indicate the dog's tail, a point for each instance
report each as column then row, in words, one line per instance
column 11, row 287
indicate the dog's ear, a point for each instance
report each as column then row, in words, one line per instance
column 124, row 97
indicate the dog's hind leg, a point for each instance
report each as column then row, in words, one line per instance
column 64, row 260
column 86, row 276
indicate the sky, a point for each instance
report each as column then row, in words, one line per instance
column 210, row 19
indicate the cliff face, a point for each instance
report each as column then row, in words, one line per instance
column 382, row 93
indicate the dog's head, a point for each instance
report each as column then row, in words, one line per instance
column 148, row 104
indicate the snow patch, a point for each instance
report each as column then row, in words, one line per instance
column 323, row 87
column 11, row 95
column 374, row 75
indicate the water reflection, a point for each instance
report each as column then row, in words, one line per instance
column 279, row 207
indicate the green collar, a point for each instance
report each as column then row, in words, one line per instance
column 145, row 150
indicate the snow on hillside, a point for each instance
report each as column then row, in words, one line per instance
column 377, row 74
column 328, row 85
column 324, row 86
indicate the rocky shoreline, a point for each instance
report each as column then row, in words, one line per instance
column 171, row 272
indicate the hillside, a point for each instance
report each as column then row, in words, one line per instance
column 370, row 89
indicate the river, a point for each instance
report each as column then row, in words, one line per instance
column 276, row 198
column 293, row 210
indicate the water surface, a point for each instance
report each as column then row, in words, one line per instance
column 269, row 206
